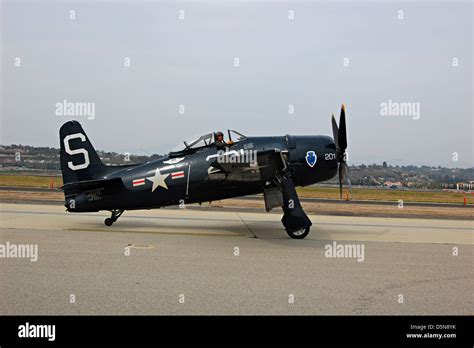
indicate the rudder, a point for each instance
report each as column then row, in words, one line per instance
column 79, row 160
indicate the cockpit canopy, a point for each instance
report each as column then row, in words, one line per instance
column 205, row 140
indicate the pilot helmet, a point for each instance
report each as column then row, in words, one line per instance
column 218, row 134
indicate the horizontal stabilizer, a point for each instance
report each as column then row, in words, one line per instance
column 87, row 185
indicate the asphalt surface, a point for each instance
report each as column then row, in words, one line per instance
column 177, row 261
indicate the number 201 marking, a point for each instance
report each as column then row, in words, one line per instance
column 330, row 156
column 77, row 151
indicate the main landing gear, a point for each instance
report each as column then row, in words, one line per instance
column 295, row 221
column 115, row 215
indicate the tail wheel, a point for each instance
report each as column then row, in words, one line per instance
column 299, row 234
column 116, row 213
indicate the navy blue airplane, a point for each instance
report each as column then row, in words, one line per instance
column 205, row 169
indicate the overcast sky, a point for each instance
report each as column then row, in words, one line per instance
column 282, row 61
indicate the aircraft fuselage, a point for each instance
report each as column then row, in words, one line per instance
column 189, row 178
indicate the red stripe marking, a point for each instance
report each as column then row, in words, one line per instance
column 138, row 182
column 177, row 175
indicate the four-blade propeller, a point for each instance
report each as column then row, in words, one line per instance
column 340, row 139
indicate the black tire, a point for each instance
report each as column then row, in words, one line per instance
column 299, row 234
column 108, row 222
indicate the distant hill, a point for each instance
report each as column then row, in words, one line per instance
column 47, row 158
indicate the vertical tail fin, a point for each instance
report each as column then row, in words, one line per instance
column 79, row 160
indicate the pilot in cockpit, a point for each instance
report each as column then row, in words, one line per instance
column 220, row 143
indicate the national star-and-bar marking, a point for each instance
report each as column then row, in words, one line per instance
column 158, row 180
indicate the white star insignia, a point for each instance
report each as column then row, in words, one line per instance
column 158, row 180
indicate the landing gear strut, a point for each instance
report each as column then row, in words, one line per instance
column 115, row 215
column 296, row 222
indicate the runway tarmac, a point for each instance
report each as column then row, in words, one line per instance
column 178, row 261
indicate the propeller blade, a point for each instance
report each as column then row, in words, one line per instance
column 335, row 131
column 340, row 139
column 342, row 136
column 347, row 175
column 341, row 177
